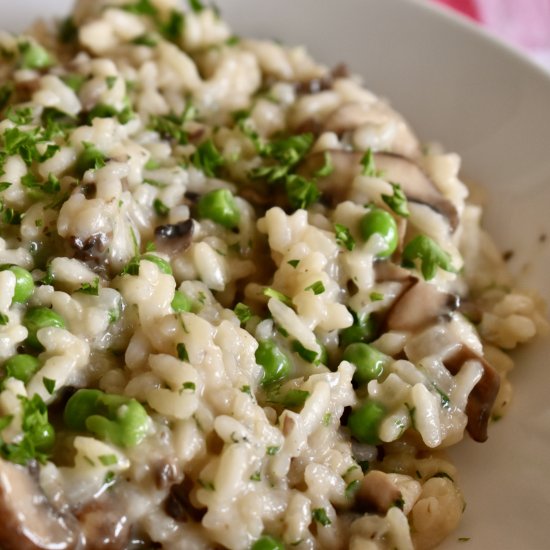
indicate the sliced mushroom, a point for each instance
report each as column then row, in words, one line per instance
column 420, row 305
column 29, row 521
column 416, row 185
column 377, row 493
column 351, row 116
column 482, row 397
column 104, row 527
column 319, row 84
column 178, row 505
column 92, row 251
column 173, row 238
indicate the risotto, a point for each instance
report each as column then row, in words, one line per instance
column 240, row 305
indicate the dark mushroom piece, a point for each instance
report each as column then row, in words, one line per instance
column 377, row 493
column 104, row 527
column 319, row 84
column 178, row 504
column 416, row 185
column 173, row 238
column 352, row 115
column 29, row 521
column 92, row 251
column 419, row 306
column 482, row 397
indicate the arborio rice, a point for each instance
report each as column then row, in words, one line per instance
column 240, row 306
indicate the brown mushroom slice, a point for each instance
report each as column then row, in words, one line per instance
column 29, row 521
column 174, row 237
column 482, row 397
column 353, row 115
column 377, row 492
column 416, row 185
column 104, row 527
column 418, row 307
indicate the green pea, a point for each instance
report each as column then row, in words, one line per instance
column 115, row 418
column 22, row 367
column 363, row 330
column 381, row 222
column 24, row 284
column 275, row 363
column 181, row 302
column 34, row 56
column 369, row 362
column 37, row 318
column 267, row 542
column 365, row 421
column 219, row 206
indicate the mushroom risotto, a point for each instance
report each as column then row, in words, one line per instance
column 240, row 305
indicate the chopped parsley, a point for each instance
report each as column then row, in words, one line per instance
column 38, row 434
column 320, row 516
column 207, row 158
column 189, row 386
column 317, row 288
column 429, row 253
column 293, row 263
column 49, row 384
column 398, row 201
column 367, row 162
column 246, row 389
column 170, row 127
column 141, row 7
column 4, row 319
column 273, row 450
column 160, row 208
column 172, row 29
column 91, row 158
column 351, row 488
column 307, row 354
column 272, row 293
column 256, row 476
column 92, row 289
column 301, row 192
column 243, row 312
column 182, row 352
column 327, row 168
column 376, row 296
column 196, row 6
column 343, row 236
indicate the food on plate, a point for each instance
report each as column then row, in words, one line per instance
column 241, row 305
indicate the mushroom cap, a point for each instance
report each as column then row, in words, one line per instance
column 416, row 184
column 29, row 521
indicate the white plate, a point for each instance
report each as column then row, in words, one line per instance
column 490, row 105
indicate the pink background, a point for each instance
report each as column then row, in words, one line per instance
column 523, row 23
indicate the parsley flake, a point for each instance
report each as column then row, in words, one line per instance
column 317, row 287
column 207, row 158
column 398, row 201
column 272, row 293
column 92, row 289
column 429, row 253
column 320, row 516
column 49, row 384
column 243, row 312
column 182, row 352
column 343, row 236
